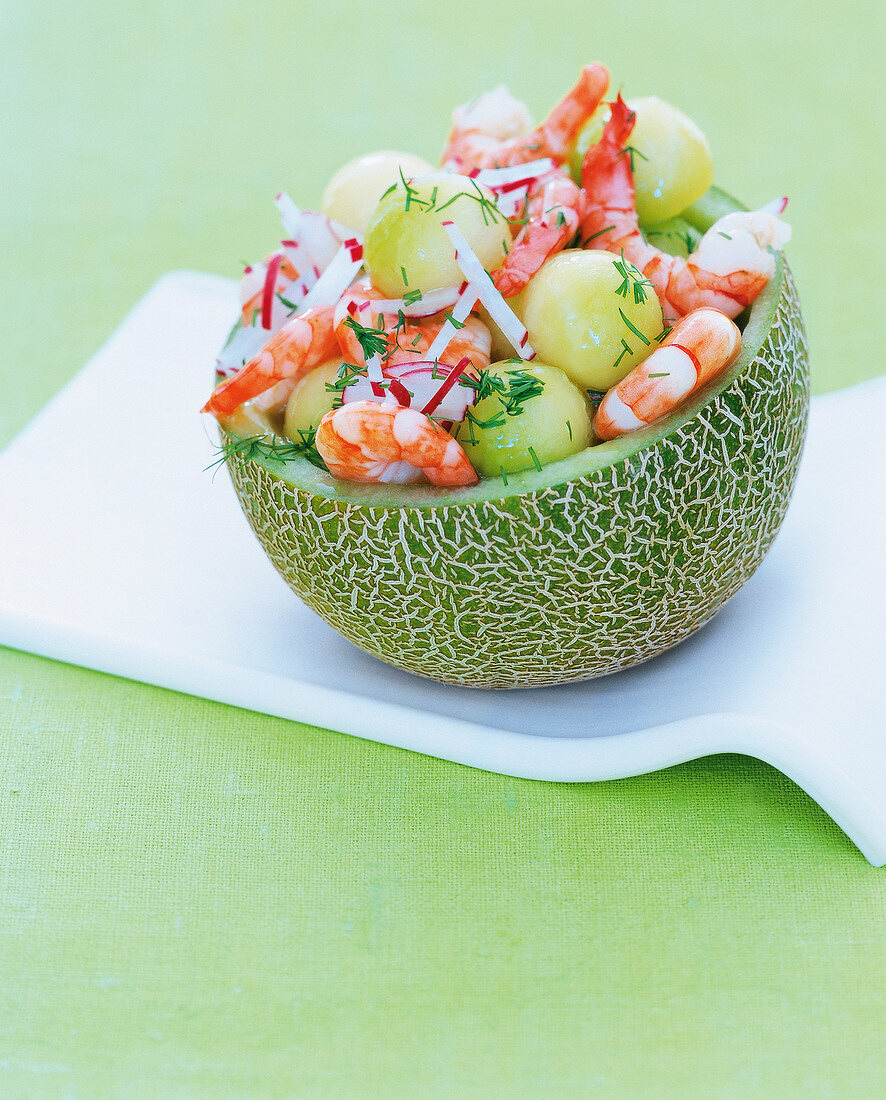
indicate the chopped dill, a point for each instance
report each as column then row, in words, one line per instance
column 631, row 278
column 488, row 208
column 569, row 427
column 626, row 349
column 504, row 476
column 348, row 375
column 659, row 374
column 635, row 331
column 513, row 389
column 599, row 233
column 403, row 273
column 373, row 341
column 632, row 152
column 271, row 449
column 412, row 296
column 534, row 457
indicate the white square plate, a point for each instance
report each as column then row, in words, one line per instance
column 123, row 554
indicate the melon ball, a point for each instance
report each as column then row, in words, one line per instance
column 672, row 162
column 582, row 315
column 352, row 194
column 406, row 246
column 507, row 432
column 310, row 400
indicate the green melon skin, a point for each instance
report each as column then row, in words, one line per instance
column 584, row 568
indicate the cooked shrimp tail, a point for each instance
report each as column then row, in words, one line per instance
column 552, row 217
column 372, row 443
column 490, row 132
column 304, row 342
column 728, row 269
column 700, row 346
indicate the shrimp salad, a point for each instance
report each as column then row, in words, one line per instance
column 534, row 295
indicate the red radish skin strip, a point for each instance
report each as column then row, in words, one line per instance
column 267, row 300
column 480, row 283
column 450, row 380
column 777, row 206
column 414, row 384
column 398, row 390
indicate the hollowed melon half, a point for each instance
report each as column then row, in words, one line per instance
column 586, row 567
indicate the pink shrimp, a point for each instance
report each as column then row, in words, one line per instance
column 304, row 342
column 728, row 269
column 369, row 442
column 486, row 132
column 408, row 339
column 697, row 348
column 552, row 220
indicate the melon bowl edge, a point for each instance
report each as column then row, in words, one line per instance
column 582, row 569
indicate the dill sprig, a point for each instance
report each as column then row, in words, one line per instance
column 626, row 349
column 599, row 233
column 632, row 152
column 631, row 279
column 513, row 389
column 348, row 375
column 373, row 341
column 488, row 207
column 634, row 329
column 271, row 449
column 413, row 197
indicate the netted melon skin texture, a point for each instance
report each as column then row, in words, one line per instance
column 564, row 583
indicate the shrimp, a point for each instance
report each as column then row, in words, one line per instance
column 552, row 220
column 728, row 269
column 368, row 442
column 404, row 339
column 697, row 348
column 490, row 132
column 304, row 342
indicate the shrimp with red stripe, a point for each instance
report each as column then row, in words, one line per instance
column 698, row 348
column 728, row 269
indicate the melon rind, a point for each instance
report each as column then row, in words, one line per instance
column 586, row 568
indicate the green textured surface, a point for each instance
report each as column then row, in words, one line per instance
column 198, row 901
column 573, row 578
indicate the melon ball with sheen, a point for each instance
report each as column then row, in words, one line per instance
column 672, row 163
column 352, row 194
column 583, row 316
column 310, row 400
column 552, row 424
column 406, row 247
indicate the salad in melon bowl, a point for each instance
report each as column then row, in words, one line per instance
column 529, row 416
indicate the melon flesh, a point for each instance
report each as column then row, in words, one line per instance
column 583, row 568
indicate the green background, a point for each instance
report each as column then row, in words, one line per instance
column 200, row 901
